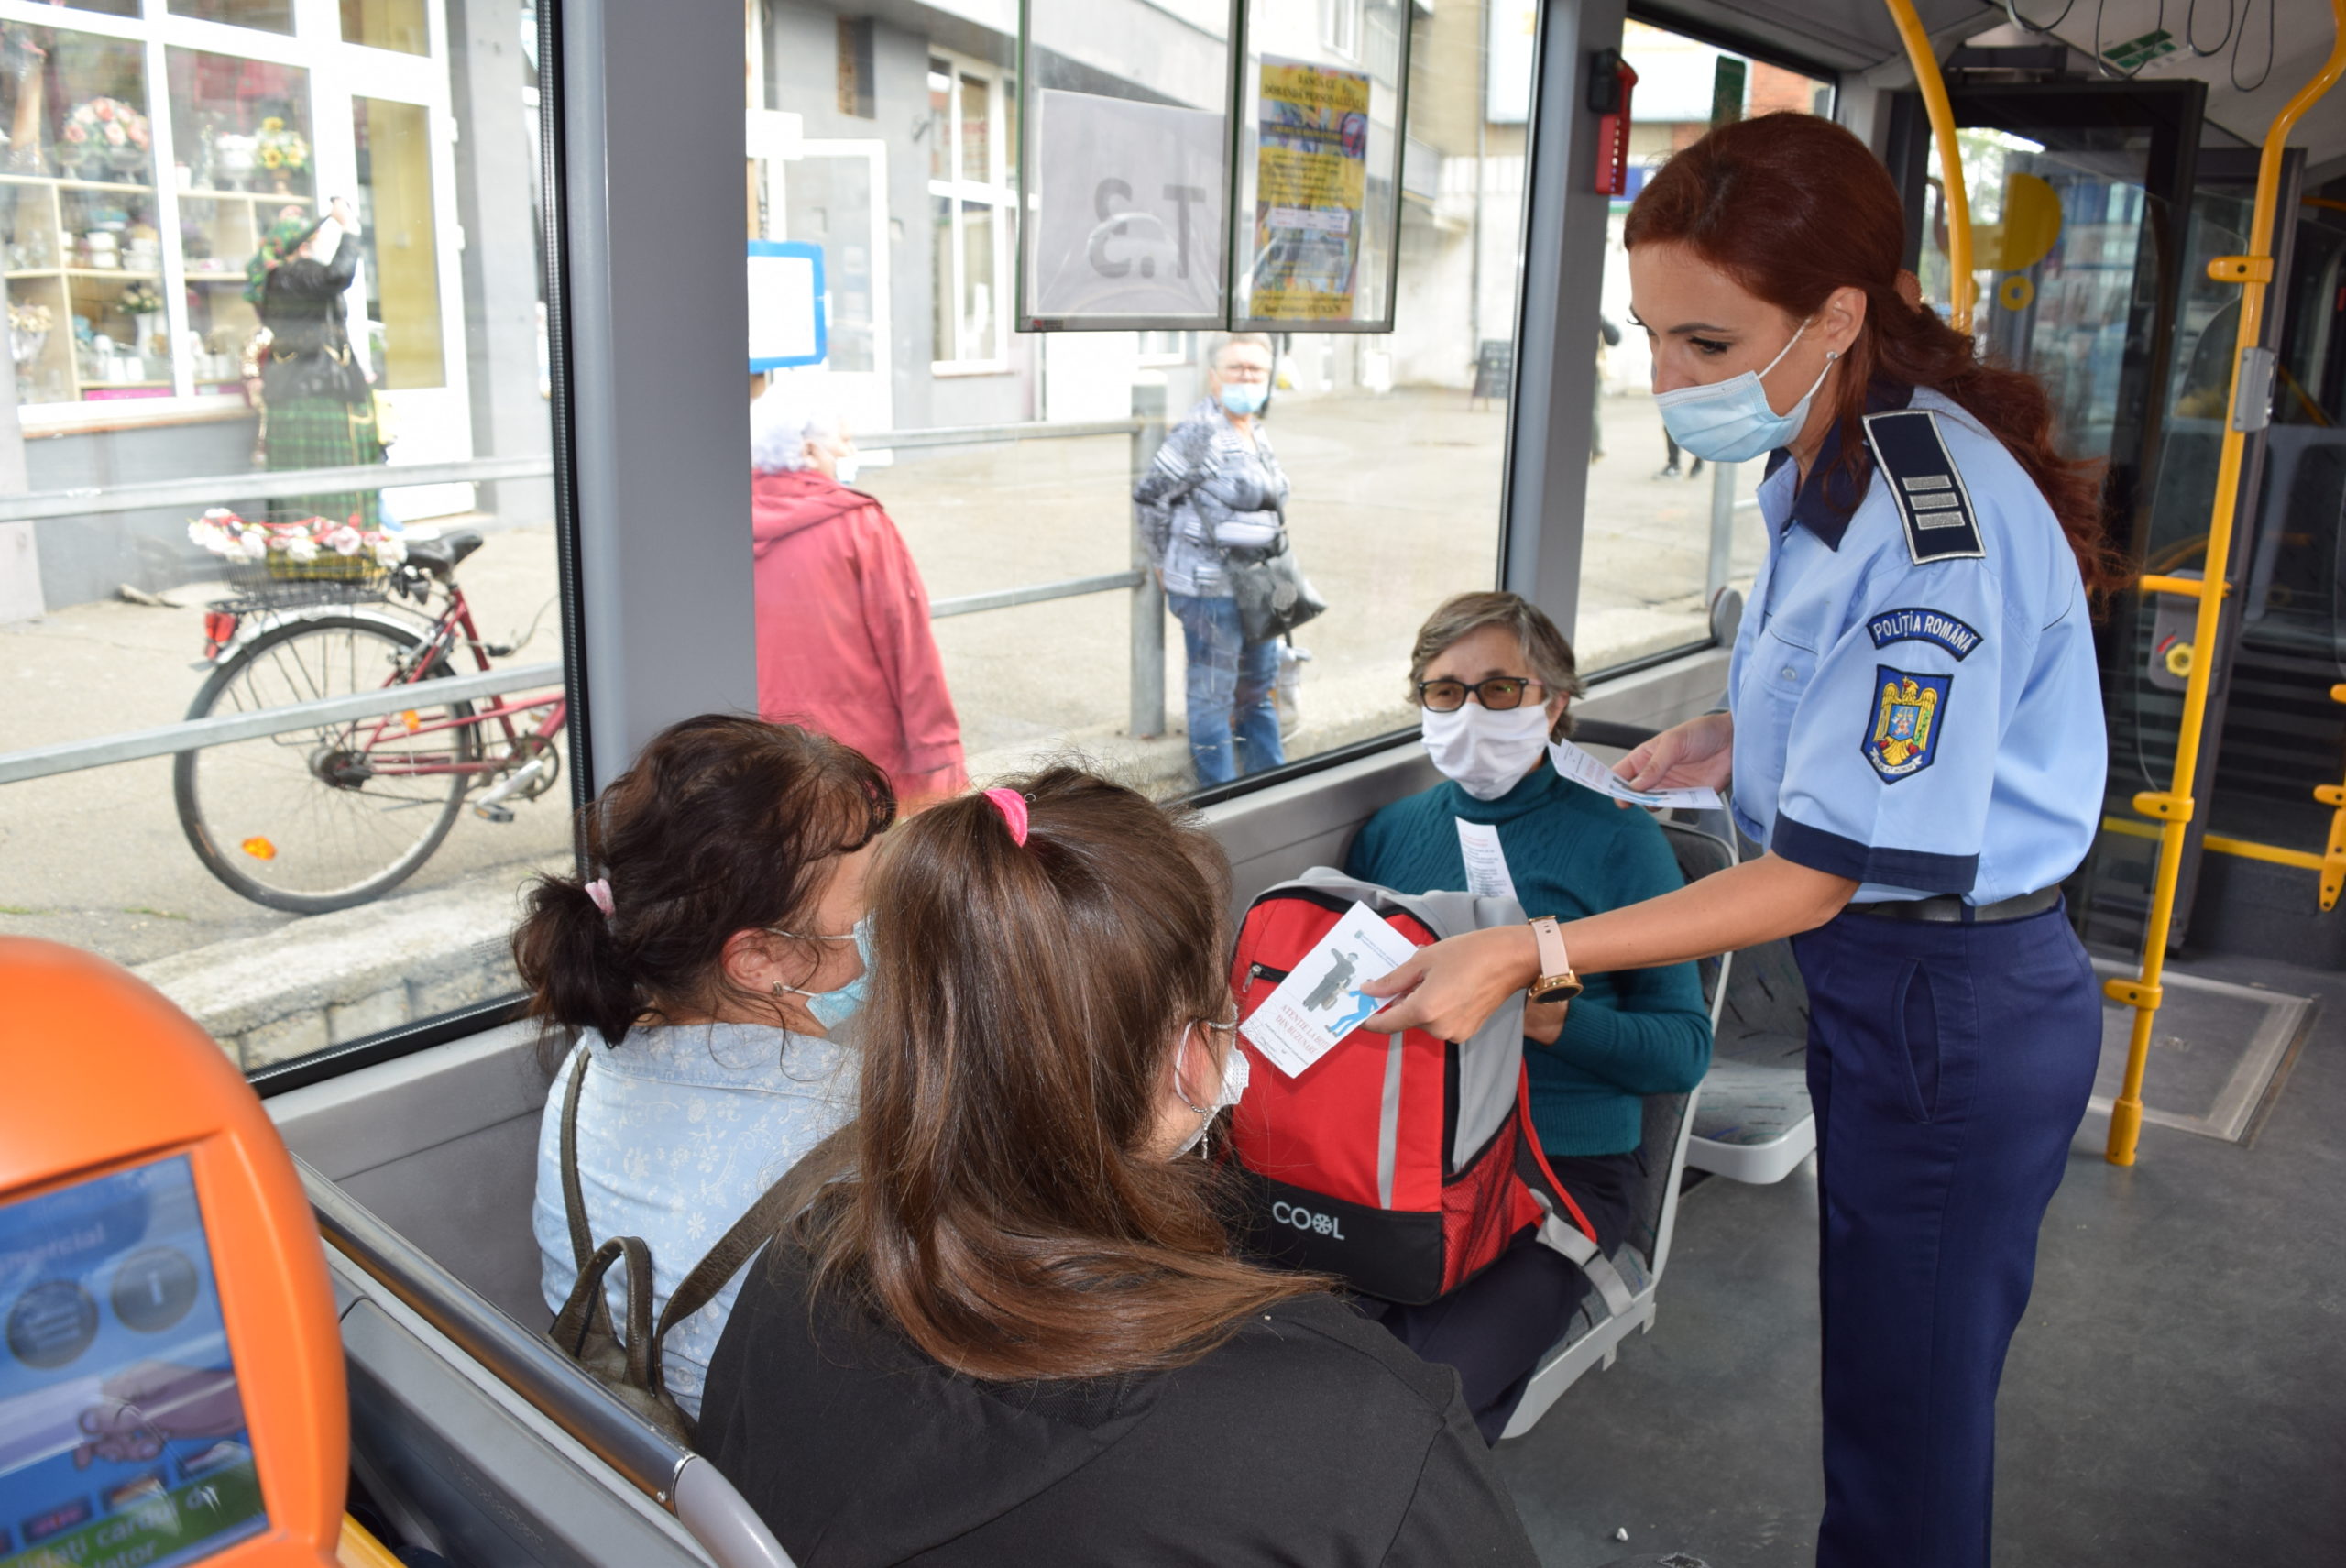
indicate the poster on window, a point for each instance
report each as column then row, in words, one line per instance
column 1310, row 193
column 1128, row 227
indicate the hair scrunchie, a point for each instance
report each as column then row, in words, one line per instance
column 1013, row 807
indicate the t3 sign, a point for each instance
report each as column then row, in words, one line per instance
column 1131, row 211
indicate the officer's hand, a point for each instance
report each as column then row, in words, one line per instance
column 1451, row 987
column 1544, row 1021
column 1699, row 753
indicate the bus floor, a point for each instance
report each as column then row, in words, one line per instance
column 2173, row 1398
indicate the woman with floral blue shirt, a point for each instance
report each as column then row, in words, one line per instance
column 703, row 974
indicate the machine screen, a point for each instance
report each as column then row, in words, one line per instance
column 122, row 1434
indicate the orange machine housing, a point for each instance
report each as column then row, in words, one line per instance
column 99, row 1072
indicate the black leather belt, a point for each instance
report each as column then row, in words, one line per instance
column 1949, row 910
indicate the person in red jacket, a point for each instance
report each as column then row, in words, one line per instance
column 844, row 646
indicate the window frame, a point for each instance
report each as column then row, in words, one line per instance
column 997, row 192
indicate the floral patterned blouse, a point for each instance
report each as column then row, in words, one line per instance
column 680, row 1130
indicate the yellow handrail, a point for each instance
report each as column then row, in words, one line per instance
column 1958, row 203
column 2253, row 272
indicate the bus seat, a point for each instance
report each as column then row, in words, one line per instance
column 477, row 1440
column 1754, row 1123
column 1594, row 1335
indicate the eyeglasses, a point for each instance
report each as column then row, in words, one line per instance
column 1497, row 694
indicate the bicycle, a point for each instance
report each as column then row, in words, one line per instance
column 338, row 813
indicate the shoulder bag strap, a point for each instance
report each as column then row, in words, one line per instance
column 759, row 1223
column 573, row 1198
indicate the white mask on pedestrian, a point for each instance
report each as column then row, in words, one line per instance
column 1487, row 751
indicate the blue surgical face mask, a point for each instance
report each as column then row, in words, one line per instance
column 833, row 1008
column 1245, row 398
column 1732, row 420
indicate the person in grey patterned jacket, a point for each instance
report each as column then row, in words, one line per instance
column 1216, row 488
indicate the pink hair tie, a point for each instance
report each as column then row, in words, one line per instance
column 600, row 890
column 1013, row 807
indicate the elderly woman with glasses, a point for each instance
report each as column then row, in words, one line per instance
column 1493, row 679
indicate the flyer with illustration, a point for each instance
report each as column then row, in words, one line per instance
column 1311, row 191
column 1320, row 1000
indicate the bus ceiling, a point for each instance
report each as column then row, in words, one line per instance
column 2250, row 68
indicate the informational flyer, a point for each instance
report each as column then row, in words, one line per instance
column 1589, row 773
column 1311, row 191
column 1486, row 873
column 1320, row 1000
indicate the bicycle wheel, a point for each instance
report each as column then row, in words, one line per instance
column 338, row 813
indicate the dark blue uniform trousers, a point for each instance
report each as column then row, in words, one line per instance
column 1950, row 1067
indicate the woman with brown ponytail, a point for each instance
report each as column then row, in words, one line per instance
column 698, row 978
column 1914, row 732
column 1011, row 1329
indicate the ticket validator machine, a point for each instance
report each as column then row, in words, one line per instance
column 170, row 1374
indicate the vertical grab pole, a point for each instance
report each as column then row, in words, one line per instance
column 2251, row 392
column 1148, row 598
column 1958, row 203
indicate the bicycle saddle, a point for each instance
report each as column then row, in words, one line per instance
column 439, row 556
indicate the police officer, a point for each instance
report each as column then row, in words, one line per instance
column 1914, row 732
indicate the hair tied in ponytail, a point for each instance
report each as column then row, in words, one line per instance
column 600, row 890
column 1013, row 807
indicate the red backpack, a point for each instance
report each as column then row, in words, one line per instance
column 1403, row 1164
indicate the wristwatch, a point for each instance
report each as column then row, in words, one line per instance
column 1557, row 982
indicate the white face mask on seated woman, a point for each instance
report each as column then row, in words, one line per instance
column 1486, row 751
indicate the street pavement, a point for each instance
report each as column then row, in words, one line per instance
column 1396, row 506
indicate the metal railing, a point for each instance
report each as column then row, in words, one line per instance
column 1147, row 682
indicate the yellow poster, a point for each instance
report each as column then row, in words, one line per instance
column 1311, row 185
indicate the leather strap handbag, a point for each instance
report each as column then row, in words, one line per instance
column 630, row 1367
column 1274, row 595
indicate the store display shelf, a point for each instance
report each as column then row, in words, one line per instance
column 187, row 191
column 37, row 272
column 69, row 185
column 108, row 272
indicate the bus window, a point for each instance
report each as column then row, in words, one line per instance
column 1666, row 531
column 261, row 271
column 1004, row 465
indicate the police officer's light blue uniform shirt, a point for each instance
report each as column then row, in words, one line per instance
column 1914, row 691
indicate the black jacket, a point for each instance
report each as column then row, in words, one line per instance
column 1311, row 1438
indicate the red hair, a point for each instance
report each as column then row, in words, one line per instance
column 1792, row 207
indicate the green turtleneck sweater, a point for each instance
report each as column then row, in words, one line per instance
column 1571, row 853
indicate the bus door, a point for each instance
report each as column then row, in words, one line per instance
column 2095, row 208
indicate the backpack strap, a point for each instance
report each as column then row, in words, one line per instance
column 574, row 1196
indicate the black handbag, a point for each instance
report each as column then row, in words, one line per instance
column 1274, row 595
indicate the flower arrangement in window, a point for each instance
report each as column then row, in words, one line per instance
column 28, row 328
column 141, row 298
column 102, row 136
column 317, row 547
column 282, row 151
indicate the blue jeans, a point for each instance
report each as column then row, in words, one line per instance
column 1230, row 689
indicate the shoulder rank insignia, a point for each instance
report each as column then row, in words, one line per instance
column 1903, row 732
column 1932, row 500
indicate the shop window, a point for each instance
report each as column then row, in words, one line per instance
column 244, row 159
column 268, row 15
column 1340, row 26
column 970, row 184
column 386, row 24
column 401, row 247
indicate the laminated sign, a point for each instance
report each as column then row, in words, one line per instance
column 1310, row 193
column 1129, row 210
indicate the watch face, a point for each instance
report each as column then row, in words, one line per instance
column 1563, row 991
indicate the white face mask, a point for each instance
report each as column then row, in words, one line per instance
column 845, row 469
column 1233, row 1089
column 1487, row 752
